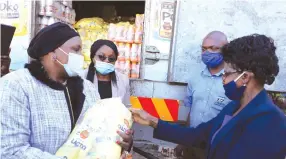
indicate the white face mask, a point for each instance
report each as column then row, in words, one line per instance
column 75, row 64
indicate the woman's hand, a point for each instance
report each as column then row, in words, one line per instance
column 179, row 150
column 143, row 118
column 126, row 155
column 127, row 141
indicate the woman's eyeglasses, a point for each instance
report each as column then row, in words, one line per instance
column 110, row 59
column 226, row 74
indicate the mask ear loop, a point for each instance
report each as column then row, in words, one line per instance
column 240, row 77
column 63, row 51
column 59, row 62
column 55, row 58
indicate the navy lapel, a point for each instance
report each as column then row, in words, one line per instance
column 228, row 110
column 249, row 111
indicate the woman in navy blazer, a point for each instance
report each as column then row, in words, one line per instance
column 251, row 126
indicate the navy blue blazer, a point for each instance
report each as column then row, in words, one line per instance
column 257, row 132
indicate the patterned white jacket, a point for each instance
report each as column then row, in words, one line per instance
column 35, row 120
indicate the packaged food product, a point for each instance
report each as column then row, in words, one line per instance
column 90, row 23
column 127, row 68
column 65, row 2
column 127, row 52
column 125, row 32
column 119, row 32
column 70, row 4
column 85, row 64
column 121, row 50
column 92, row 34
column 87, row 44
column 133, row 70
column 102, row 34
column 130, row 34
column 58, row 11
column 121, row 66
column 117, row 44
column 134, row 53
column 105, row 25
column 82, row 33
column 138, row 35
column 67, row 14
column 42, row 7
column 63, row 12
column 49, row 8
column 94, row 136
column 86, row 55
column 139, row 53
column 73, row 15
column 139, row 21
column 112, row 31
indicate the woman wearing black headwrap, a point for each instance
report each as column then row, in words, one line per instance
column 101, row 72
column 41, row 103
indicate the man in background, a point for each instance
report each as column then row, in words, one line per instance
column 7, row 33
column 205, row 93
column 5, row 63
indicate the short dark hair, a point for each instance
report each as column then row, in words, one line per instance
column 255, row 53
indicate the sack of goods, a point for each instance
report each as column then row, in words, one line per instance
column 90, row 30
column 95, row 134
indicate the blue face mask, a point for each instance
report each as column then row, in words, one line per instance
column 104, row 68
column 212, row 60
column 231, row 90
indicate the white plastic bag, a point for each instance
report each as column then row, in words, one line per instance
column 95, row 136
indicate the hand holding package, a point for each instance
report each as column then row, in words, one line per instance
column 95, row 135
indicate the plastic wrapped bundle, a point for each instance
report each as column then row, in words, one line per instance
column 95, row 135
column 90, row 23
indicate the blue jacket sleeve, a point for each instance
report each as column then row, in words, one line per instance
column 186, row 136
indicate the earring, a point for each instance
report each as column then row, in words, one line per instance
column 54, row 57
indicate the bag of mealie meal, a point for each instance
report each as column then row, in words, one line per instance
column 95, row 135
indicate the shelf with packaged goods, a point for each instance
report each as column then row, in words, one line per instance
column 46, row 20
column 126, row 35
column 127, row 42
column 58, row 11
column 67, row 4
